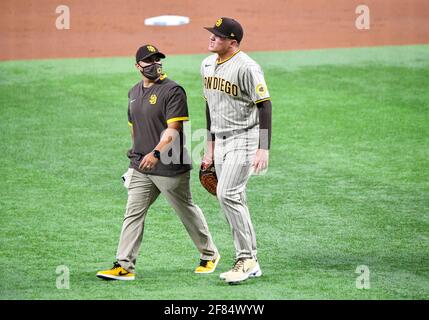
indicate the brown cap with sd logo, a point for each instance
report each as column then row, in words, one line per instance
column 227, row 28
column 147, row 51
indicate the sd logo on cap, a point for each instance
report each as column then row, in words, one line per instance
column 227, row 28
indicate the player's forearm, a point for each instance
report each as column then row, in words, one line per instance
column 210, row 136
column 168, row 136
column 265, row 115
column 210, row 149
column 209, row 152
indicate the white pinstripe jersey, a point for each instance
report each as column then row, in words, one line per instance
column 232, row 88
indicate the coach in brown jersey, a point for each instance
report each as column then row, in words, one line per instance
column 159, row 163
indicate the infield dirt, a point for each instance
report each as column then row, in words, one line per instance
column 102, row 28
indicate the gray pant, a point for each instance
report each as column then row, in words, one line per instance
column 143, row 190
column 234, row 156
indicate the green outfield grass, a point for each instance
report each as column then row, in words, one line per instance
column 348, row 182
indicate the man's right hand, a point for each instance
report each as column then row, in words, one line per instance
column 208, row 155
column 207, row 161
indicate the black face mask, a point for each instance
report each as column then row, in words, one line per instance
column 153, row 71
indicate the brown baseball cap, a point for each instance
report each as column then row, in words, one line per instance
column 147, row 51
column 228, row 28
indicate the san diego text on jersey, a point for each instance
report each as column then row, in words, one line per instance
column 215, row 83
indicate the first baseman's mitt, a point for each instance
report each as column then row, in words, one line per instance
column 208, row 178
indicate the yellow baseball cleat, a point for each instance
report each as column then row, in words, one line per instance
column 207, row 266
column 116, row 273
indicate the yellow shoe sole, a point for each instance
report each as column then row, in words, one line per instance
column 112, row 277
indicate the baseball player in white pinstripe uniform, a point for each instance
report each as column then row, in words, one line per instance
column 238, row 112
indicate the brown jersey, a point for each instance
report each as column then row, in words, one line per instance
column 149, row 112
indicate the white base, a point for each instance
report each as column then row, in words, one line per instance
column 166, row 21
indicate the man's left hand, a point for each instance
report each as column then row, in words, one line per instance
column 261, row 160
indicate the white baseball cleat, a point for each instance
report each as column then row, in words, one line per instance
column 254, row 271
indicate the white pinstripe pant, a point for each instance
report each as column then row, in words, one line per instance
column 234, row 155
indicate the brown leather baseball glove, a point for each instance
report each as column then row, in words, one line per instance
column 208, row 178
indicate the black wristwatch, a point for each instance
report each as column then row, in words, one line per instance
column 157, row 154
